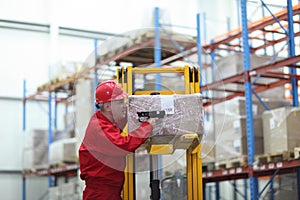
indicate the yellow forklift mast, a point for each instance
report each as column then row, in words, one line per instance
column 189, row 142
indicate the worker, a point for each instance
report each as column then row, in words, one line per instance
column 103, row 151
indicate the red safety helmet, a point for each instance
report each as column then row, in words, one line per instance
column 109, row 91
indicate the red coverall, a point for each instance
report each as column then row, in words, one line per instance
column 102, row 157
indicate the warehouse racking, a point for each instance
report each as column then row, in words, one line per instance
column 229, row 42
column 257, row 31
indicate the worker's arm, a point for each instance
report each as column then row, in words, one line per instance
column 126, row 144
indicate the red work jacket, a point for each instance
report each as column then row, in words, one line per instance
column 102, row 156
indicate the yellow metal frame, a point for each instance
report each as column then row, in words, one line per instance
column 193, row 152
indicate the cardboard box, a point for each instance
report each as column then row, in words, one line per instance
column 233, row 64
column 281, row 129
column 230, row 126
column 63, row 151
column 231, row 139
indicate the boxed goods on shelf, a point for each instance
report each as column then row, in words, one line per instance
column 281, row 129
column 233, row 64
column 54, row 193
column 36, row 149
column 231, row 141
column 208, row 143
column 66, row 191
column 183, row 113
column 230, row 127
column 35, row 159
column 63, row 151
column 84, row 106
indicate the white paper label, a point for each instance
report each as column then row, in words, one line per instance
column 236, row 143
column 167, row 104
column 272, row 123
column 236, row 124
column 279, row 164
column 254, row 109
column 271, row 165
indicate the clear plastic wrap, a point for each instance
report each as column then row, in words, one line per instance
column 230, row 127
column 281, row 129
column 233, row 64
column 183, row 113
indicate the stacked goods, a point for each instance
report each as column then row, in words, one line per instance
column 36, row 149
column 208, row 142
column 83, row 108
column 63, row 151
column 66, row 191
column 230, row 127
column 233, row 64
column 183, row 114
column 281, row 129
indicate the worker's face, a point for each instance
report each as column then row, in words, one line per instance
column 119, row 109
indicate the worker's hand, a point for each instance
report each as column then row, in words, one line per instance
column 152, row 121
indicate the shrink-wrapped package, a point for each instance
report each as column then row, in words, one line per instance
column 281, row 129
column 183, row 113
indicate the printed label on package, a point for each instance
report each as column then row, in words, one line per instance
column 167, row 104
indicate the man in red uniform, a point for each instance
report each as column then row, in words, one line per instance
column 103, row 150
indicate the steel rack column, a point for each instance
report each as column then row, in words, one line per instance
column 291, row 48
column 49, row 130
column 234, row 190
column 245, row 189
column 157, row 59
column 209, row 192
column 298, row 181
column 218, row 190
column 55, row 111
column 199, row 47
column 24, row 105
column 24, row 187
column 157, row 50
column 95, row 70
column 248, row 95
column 24, row 128
column 272, row 190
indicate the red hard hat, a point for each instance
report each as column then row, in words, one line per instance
column 109, row 91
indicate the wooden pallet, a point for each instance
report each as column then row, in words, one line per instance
column 233, row 162
column 29, row 171
column 274, row 157
column 61, row 164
